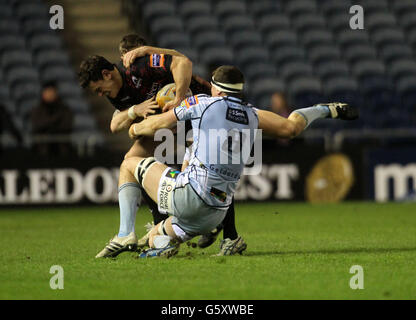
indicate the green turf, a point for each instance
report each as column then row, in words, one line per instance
column 295, row 251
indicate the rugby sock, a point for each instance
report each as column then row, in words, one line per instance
column 129, row 197
column 229, row 223
column 161, row 241
column 312, row 113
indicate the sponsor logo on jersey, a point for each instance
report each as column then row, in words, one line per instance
column 191, row 101
column 157, row 60
column 172, row 174
column 237, row 116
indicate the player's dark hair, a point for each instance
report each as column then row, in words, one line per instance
column 229, row 74
column 91, row 70
column 130, row 42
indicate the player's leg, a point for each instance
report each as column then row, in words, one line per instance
column 129, row 196
column 144, row 148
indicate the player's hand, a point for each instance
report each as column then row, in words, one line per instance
column 132, row 55
column 172, row 104
column 132, row 133
column 146, row 108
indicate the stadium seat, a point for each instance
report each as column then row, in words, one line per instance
column 58, row 73
column 324, row 53
column 317, row 37
column 339, row 21
column 69, row 89
column 8, row 26
column 207, row 38
column 14, row 58
column 242, row 39
column 372, row 6
column 84, row 122
column 154, row 9
column 340, row 88
column 232, row 24
column 252, row 54
column 12, row 42
column 262, row 89
column 403, row 6
column 387, row 36
column 194, row 8
column 174, row 40
column 408, row 20
column 333, row 7
column 273, row 22
column 380, row 20
column 347, row 38
column 309, row 21
column 42, row 42
column 330, row 69
column 305, row 91
column 29, row 10
column 225, row 8
column 259, row 70
column 280, row 38
column 21, row 74
column 197, row 24
column 36, row 26
column 366, row 68
column 291, row 70
column 259, row 8
column 402, row 68
column 284, row 54
column 6, row 11
column 297, row 7
column 406, row 88
column 389, row 53
column 77, row 104
column 48, row 57
column 166, row 24
column 217, row 56
column 359, row 52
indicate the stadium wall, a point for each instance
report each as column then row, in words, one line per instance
column 288, row 174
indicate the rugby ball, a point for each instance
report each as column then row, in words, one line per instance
column 167, row 93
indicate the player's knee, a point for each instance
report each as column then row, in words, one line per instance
column 141, row 167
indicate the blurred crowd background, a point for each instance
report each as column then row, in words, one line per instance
column 293, row 54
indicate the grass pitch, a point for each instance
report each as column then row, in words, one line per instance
column 295, row 251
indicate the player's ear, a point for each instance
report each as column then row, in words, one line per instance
column 106, row 74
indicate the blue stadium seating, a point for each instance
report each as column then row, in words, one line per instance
column 305, row 47
column 30, row 53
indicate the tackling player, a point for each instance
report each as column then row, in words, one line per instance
column 197, row 199
column 132, row 47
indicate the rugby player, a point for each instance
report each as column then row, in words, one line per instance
column 126, row 89
column 197, row 198
column 132, row 47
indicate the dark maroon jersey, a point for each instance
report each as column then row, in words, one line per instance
column 145, row 77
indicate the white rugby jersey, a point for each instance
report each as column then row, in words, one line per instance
column 223, row 135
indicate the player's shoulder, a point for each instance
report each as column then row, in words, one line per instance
column 199, row 99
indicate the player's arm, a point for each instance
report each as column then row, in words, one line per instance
column 149, row 126
column 123, row 119
column 132, row 55
column 280, row 127
column 181, row 68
